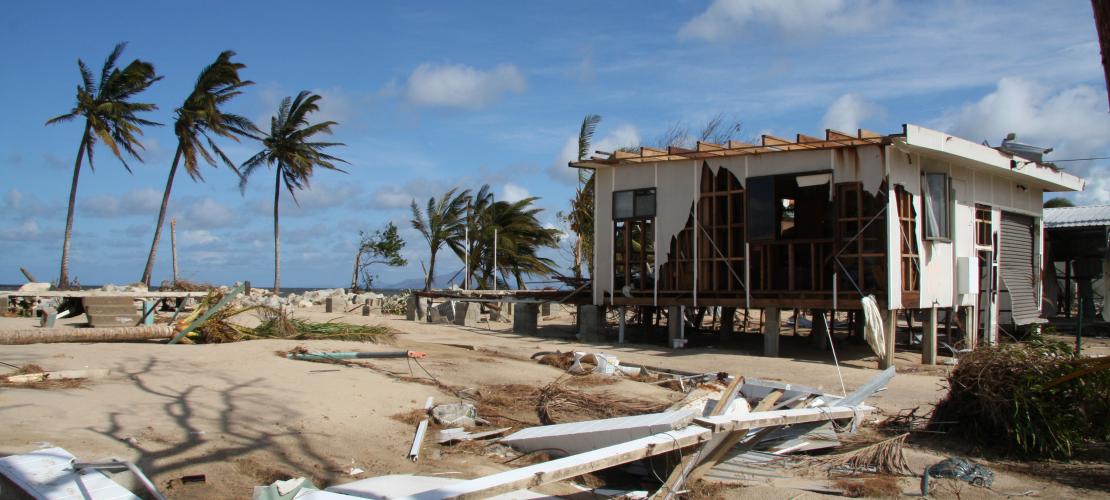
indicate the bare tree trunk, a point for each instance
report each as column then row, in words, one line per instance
column 27, row 274
column 1102, row 25
column 173, row 247
column 578, row 257
column 277, row 241
column 358, row 260
column 114, row 334
column 63, row 276
column 149, row 269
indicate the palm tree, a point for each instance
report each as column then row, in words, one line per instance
column 467, row 242
column 288, row 148
column 111, row 118
column 581, row 215
column 440, row 223
column 519, row 236
column 195, row 123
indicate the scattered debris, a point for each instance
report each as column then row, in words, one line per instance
column 331, row 356
column 43, row 376
column 447, row 436
column 55, row 473
column 870, row 487
column 283, row 489
column 421, row 429
column 456, row 414
column 960, row 469
column 883, row 457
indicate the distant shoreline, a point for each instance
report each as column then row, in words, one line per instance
column 284, row 291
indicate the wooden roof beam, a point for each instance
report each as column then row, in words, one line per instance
column 867, row 134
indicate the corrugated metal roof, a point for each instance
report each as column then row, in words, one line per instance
column 1086, row 216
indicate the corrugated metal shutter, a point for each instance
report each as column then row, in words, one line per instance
column 1016, row 267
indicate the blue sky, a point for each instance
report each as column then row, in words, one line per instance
column 434, row 95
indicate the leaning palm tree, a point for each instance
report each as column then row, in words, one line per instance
column 442, row 222
column 196, row 123
column 110, row 117
column 289, row 150
column 466, row 244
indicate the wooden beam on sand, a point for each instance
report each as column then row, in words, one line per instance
column 610, row 456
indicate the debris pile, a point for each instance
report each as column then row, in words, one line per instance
column 1035, row 399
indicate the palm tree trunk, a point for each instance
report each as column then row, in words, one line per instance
column 431, row 272
column 63, row 276
column 112, row 334
column 149, row 269
column 277, row 241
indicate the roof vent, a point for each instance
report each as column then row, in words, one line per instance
column 1031, row 153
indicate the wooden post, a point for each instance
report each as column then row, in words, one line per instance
column 621, row 323
column 819, row 332
column 173, row 246
column 890, row 325
column 771, row 332
column 929, row 340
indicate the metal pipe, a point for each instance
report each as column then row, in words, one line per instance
column 117, row 464
column 418, row 439
column 318, row 356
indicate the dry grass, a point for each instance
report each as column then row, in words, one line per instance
column 870, row 487
column 411, row 417
column 705, row 490
column 592, row 380
column 515, row 404
column 883, row 457
column 562, row 360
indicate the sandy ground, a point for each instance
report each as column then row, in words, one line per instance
column 243, row 416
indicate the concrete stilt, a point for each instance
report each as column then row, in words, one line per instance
column 545, row 309
column 591, row 323
column 332, row 305
column 674, row 324
column 4, row 304
column 819, row 331
column 890, row 325
column 410, row 308
column 620, row 331
column 771, row 323
column 525, row 318
column 728, row 323
column 929, row 338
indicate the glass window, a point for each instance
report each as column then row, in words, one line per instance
column 645, row 203
column 622, row 205
column 634, row 204
column 936, row 199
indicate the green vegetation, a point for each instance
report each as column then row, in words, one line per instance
column 380, row 247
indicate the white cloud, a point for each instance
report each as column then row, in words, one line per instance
column 513, row 193
column 198, row 237
column 137, row 202
column 13, row 199
column 460, row 86
column 1072, row 120
column 208, row 213
column 724, row 18
column 622, row 136
column 848, row 111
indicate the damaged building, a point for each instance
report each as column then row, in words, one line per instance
column 921, row 220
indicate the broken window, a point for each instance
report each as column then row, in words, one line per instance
column 937, row 215
column 633, row 203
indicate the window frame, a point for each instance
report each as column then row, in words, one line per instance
column 637, row 196
column 927, row 198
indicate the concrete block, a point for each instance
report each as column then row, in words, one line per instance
column 526, row 319
column 442, row 313
column 545, row 309
column 591, row 323
column 4, row 304
column 466, row 313
column 333, row 305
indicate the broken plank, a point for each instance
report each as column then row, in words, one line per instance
column 568, row 467
column 730, row 423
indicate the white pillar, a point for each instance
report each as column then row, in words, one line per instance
column 771, row 322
